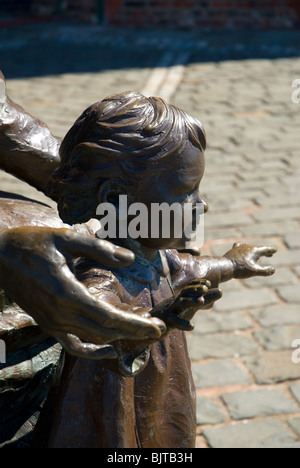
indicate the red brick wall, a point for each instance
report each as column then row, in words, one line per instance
column 193, row 13
column 175, row 13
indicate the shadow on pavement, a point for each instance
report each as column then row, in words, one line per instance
column 58, row 48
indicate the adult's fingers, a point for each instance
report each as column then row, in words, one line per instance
column 77, row 245
column 96, row 316
column 74, row 346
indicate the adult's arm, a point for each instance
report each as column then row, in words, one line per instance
column 36, row 271
column 28, row 150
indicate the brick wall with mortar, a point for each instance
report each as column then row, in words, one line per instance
column 191, row 13
column 171, row 13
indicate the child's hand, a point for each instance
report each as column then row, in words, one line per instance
column 245, row 257
column 177, row 312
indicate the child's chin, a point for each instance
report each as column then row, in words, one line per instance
column 163, row 244
column 177, row 244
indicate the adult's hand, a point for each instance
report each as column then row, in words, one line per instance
column 36, row 272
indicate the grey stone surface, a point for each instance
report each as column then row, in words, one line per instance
column 219, row 373
column 289, row 293
column 214, row 322
column 259, row 403
column 246, row 299
column 208, row 412
column 279, row 314
column 268, row 229
column 283, row 276
column 293, row 240
column 297, row 270
column 277, row 214
column 273, row 367
column 295, row 424
column 255, row 434
column 295, row 389
column 221, row 346
column 287, row 258
column 277, row 338
column 227, row 219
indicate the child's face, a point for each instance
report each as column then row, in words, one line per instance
column 178, row 184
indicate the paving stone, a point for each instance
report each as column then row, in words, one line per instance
column 219, row 373
column 227, row 219
column 293, row 240
column 277, row 200
column 295, row 424
column 215, row 322
column 259, row 403
column 214, row 234
column 290, row 293
column 287, row 258
column 282, row 276
column 279, row 214
column 297, row 270
column 220, row 346
column 295, row 389
column 277, row 338
column 246, row 299
column 208, row 412
column 273, row 367
column 280, row 314
column 268, row 229
column 254, row 434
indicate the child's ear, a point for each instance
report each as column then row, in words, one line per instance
column 109, row 193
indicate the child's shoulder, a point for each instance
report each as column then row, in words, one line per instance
column 178, row 260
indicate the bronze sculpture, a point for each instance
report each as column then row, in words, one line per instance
column 143, row 396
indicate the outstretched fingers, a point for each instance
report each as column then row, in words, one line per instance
column 264, row 251
column 265, row 271
column 76, row 245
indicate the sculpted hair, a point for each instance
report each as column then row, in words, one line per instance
column 123, row 138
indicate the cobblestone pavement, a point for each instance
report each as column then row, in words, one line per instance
column 248, row 387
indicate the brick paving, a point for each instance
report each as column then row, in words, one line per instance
column 248, row 388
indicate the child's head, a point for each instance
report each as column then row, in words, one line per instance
column 128, row 145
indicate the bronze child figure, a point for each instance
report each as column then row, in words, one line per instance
column 152, row 153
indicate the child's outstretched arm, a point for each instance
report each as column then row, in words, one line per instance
column 241, row 262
